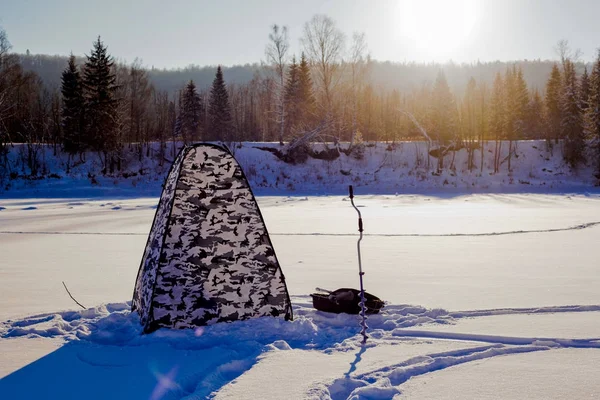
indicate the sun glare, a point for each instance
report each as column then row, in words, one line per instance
column 437, row 27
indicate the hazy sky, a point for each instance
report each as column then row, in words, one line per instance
column 176, row 33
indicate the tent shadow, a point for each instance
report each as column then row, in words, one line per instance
column 157, row 370
column 114, row 360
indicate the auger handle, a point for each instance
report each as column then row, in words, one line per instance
column 360, row 221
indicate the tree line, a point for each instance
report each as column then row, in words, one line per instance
column 326, row 93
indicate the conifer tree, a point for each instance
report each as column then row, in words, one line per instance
column 571, row 124
column 99, row 84
column 468, row 121
column 592, row 113
column 535, row 108
column 521, row 102
column 510, row 103
column 291, row 97
column 305, row 96
column 190, row 113
column 552, row 105
column 72, row 109
column 497, row 117
column 219, row 109
column 516, row 103
column 583, row 90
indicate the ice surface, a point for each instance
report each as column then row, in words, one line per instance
column 467, row 278
column 557, row 374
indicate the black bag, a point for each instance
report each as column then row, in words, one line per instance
column 347, row 301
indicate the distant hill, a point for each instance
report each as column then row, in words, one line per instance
column 386, row 75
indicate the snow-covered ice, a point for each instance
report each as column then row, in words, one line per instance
column 488, row 296
column 556, row 374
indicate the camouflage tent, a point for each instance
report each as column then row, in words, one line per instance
column 209, row 257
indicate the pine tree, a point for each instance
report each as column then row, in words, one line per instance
column 290, row 99
column 99, row 84
column 482, row 113
column 552, row 102
column 497, row 117
column 571, row 124
column 510, row 104
column 72, row 109
column 219, row 109
column 521, row 102
column 468, row 120
column 305, row 96
column 583, row 88
column 535, row 108
column 190, row 113
column 592, row 113
column 516, row 101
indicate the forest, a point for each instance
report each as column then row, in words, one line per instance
column 332, row 93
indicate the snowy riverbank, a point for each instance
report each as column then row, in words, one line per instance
column 385, row 169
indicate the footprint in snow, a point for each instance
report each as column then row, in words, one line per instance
column 29, row 208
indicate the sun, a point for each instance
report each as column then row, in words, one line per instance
column 437, row 27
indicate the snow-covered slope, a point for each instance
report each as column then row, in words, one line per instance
column 403, row 167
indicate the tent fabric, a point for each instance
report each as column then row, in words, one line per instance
column 209, row 257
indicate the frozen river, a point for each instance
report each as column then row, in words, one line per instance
column 465, row 252
column 459, row 253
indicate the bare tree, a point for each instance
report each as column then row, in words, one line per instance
column 359, row 63
column 565, row 52
column 4, row 70
column 6, row 85
column 276, row 53
column 323, row 44
column 140, row 92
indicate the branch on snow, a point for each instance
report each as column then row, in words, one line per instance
column 71, row 296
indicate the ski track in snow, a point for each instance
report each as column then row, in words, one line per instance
column 428, row 235
column 114, row 325
column 383, row 383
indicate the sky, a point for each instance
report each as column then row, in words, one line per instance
column 178, row 33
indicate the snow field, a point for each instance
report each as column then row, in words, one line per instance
column 107, row 340
column 494, row 294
